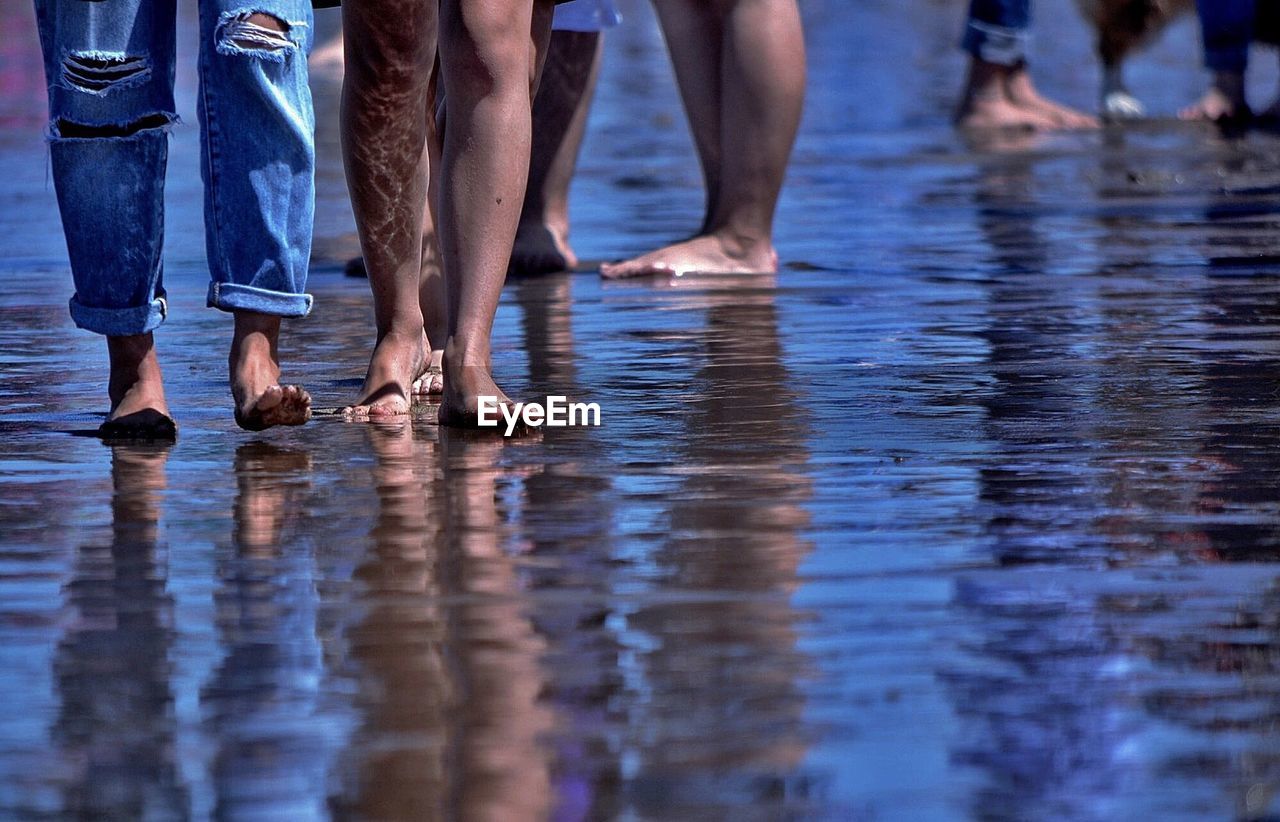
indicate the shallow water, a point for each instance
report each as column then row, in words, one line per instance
column 972, row 512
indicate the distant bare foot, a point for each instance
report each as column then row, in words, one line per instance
column 398, row 360
column 464, row 384
column 260, row 401
column 989, row 113
column 1224, row 101
column 1023, row 94
column 136, row 389
column 430, row 382
column 707, row 254
column 1216, row 106
column 541, row 249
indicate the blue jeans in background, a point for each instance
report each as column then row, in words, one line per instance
column 110, row 71
column 997, row 31
column 1226, row 27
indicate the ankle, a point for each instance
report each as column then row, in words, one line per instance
column 986, row 81
column 743, row 243
column 465, row 352
column 255, row 335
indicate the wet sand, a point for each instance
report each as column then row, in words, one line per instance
column 973, row 511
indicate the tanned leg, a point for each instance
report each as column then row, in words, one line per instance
column 432, row 297
column 136, row 390
column 1003, row 97
column 744, row 102
column 254, row 365
column 490, row 55
column 559, row 124
column 390, row 47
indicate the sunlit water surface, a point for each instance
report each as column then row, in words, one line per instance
column 973, row 511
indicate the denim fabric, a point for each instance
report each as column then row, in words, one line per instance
column 1226, row 27
column 110, row 70
column 997, row 31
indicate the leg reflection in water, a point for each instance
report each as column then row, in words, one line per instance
column 448, row 659
column 113, row 667
column 720, row 663
column 262, row 702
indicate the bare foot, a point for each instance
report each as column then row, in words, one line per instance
column 541, row 249
column 464, row 384
column 1022, row 93
column 1215, row 106
column 260, row 401
column 1225, row 100
column 398, row 361
column 138, row 407
column 430, row 382
column 707, row 254
column 996, row 112
column 1003, row 97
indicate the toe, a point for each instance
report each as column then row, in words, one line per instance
column 271, row 397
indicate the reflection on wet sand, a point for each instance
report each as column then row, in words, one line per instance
column 721, row 671
column 1094, row 468
column 115, row 727
column 261, row 702
column 449, row 662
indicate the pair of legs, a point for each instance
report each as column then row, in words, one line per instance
column 110, row 69
column 489, row 59
column 559, row 124
column 740, row 65
column 999, row 92
column 1228, row 28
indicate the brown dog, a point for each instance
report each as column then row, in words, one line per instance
column 1124, row 26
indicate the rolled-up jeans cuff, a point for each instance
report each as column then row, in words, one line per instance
column 1234, row 59
column 120, row 322
column 236, row 297
column 995, row 44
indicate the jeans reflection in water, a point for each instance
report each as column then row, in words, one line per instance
column 262, row 701
column 113, row 667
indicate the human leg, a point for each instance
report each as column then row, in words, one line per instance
column 490, row 56
column 110, row 76
column 998, row 91
column 559, row 123
column 390, row 47
column 750, row 106
column 259, row 174
column 1226, row 29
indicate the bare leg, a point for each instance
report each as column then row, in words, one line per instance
column 744, row 101
column 490, row 64
column 390, row 49
column 432, row 297
column 559, row 124
column 254, row 365
column 138, row 407
column 1023, row 93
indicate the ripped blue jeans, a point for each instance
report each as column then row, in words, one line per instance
column 110, row 71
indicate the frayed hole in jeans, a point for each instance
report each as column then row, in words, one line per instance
column 253, row 32
column 69, row 130
column 99, row 73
